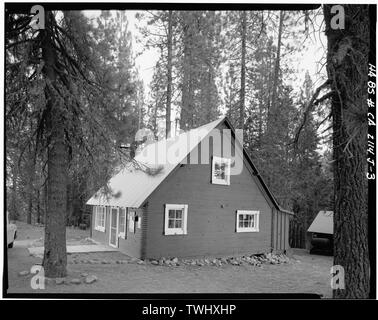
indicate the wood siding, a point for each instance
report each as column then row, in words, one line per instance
column 133, row 244
column 211, row 218
column 280, row 236
column 211, row 222
column 99, row 236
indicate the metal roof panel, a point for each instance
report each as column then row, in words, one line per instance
column 323, row 223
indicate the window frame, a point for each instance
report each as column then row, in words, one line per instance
column 122, row 233
column 255, row 213
column 176, row 231
column 215, row 180
column 117, row 226
column 100, row 223
column 131, row 220
column 139, row 222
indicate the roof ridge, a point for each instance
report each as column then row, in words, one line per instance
column 175, row 139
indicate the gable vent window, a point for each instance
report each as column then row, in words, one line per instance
column 247, row 221
column 220, row 171
column 175, row 221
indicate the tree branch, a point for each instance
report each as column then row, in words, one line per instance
column 314, row 101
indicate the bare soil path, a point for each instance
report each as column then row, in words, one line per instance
column 118, row 273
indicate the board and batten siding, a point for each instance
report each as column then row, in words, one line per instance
column 211, row 221
column 280, row 235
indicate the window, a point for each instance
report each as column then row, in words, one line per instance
column 100, row 218
column 175, row 219
column 131, row 221
column 139, row 224
column 122, row 223
column 221, row 171
column 247, row 221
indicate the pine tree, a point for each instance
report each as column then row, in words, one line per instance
column 347, row 68
column 200, row 42
column 68, row 120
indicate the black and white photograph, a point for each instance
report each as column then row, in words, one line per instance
column 194, row 149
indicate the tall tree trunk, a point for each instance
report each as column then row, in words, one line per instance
column 155, row 122
column 347, row 68
column 242, row 71
column 45, row 192
column 38, row 207
column 31, row 177
column 14, row 207
column 273, row 105
column 187, row 103
column 169, row 78
column 185, row 83
column 55, row 256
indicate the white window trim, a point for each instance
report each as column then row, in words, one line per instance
column 176, row 231
column 139, row 223
column 99, row 227
column 110, row 226
column 121, row 233
column 250, row 212
column 214, row 180
column 131, row 221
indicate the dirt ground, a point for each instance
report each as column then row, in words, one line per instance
column 118, row 273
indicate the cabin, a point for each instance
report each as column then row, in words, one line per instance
column 193, row 195
column 321, row 233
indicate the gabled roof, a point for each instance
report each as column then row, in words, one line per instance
column 323, row 223
column 131, row 187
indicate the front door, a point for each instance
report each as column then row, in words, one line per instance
column 113, row 234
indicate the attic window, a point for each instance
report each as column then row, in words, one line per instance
column 220, row 171
column 175, row 219
column 247, row 221
column 99, row 218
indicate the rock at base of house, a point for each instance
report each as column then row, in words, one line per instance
column 60, row 281
column 23, row 273
column 140, row 262
column 90, row 279
column 234, row 262
column 75, row 281
column 253, row 260
column 84, row 274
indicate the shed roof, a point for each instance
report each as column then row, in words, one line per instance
column 323, row 223
column 131, row 187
